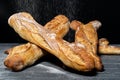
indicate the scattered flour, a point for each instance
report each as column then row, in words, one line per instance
column 51, row 69
column 57, row 71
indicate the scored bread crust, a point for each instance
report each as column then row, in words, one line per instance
column 80, row 55
column 21, row 56
column 25, row 55
column 86, row 34
column 79, row 59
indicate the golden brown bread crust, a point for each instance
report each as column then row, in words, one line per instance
column 22, row 56
column 20, row 21
column 106, row 48
column 86, row 35
column 30, row 30
column 80, row 55
column 56, row 25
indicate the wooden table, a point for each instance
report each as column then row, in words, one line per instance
column 50, row 68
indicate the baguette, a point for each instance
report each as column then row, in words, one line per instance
column 73, row 55
column 21, row 56
column 86, row 34
column 25, row 55
column 106, row 48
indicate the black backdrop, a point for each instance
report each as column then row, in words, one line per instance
column 44, row 10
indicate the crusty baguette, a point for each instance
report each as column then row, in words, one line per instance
column 58, row 25
column 86, row 34
column 21, row 56
column 30, row 30
column 106, row 48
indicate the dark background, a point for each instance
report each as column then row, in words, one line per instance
column 44, row 10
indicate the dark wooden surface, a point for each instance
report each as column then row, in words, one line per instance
column 48, row 70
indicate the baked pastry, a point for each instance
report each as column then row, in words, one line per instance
column 86, row 35
column 106, row 48
column 27, row 54
column 75, row 55
column 21, row 56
